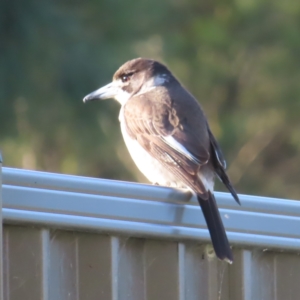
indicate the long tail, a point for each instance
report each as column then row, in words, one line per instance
column 216, row 227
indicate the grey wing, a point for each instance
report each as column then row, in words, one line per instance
column 158, row 130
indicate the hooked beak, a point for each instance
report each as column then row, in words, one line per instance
column 106, row 92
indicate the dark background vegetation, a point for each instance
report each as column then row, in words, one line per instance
column 241, row 59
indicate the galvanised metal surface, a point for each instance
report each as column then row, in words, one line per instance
column 70, row 237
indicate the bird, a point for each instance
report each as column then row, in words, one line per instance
column 168, row 137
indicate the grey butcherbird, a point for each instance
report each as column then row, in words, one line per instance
column 168, row 137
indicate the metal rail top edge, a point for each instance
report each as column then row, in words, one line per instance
column 89, row 185
column 142, row 230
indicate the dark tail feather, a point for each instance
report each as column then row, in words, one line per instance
column 216, row 228
column 224, row 178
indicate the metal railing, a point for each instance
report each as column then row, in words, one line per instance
column 71, row 237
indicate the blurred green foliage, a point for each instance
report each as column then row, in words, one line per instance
column 240, row 58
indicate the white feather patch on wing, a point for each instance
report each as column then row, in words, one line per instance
column 180, row 148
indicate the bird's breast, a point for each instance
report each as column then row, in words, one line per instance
column 152, row 169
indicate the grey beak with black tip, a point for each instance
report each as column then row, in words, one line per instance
column 108, row 91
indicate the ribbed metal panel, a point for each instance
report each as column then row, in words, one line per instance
column 69, row 237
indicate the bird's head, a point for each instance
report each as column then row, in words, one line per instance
column 136, row 76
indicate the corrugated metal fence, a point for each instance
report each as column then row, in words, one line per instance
column 70, row 237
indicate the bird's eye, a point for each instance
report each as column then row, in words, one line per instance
column 125, row 77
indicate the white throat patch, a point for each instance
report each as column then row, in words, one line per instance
column 122, row 97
